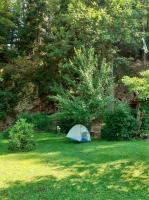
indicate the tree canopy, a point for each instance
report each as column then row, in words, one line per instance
column 38, row 39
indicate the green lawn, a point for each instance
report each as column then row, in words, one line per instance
column 59, row 169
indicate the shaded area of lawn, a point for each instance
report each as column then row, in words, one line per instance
column 60, row 169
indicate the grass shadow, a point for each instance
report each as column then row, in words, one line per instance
column 97, row 170
column 115, row 181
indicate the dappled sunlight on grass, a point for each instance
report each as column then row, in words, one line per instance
column 118, row 188
column 12, row 168
column 135, row 171
column 59, row 169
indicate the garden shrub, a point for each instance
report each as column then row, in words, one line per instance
column 70, row 117
column 27, row 116
column 65, row 123
column 119, row 123
column 145, row 124
column 21, row 136
column 41, row 121
column 6, row 134
column 7, row 100
column 144, row 132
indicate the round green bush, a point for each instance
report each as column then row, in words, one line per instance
column 119, row 123
column 21, row 136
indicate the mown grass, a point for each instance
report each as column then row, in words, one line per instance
column 59, row 169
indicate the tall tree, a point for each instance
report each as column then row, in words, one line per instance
column 6, row 27
column 32, row 27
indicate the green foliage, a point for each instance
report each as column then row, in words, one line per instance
column 27, row 116
column 146, row 121
column 21, row 136
column 7, row 100
column 88, row 91
column 38, row 37
column 139, row 84
column 144, row 134
column 6, row 134
column 112, row 29
column 74, row 112
column 7, row 26
column 119, row 123
column 41, row 121
column 1, row 75
column 145, row 109
column 31, row 25
column 121, row 67
column 17, row 88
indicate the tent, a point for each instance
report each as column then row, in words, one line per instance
column 79, row 133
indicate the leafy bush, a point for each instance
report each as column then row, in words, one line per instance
column 41, row 121
column 63, row 122
column 145, row 124
column 7, row 100
column 66, row 124
column 145, row 109
column 6, row 134
column 144, row 134
column 27, row 116
column 74, row 114
column 21, row 136
column 119, row 123
column 138, row 84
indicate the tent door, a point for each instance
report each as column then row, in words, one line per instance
column 84, row 137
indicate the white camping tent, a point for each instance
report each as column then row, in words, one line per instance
column 79, row 133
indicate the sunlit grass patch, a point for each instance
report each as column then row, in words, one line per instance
column 61, row 169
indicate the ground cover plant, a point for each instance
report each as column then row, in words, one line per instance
column 60, row 169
